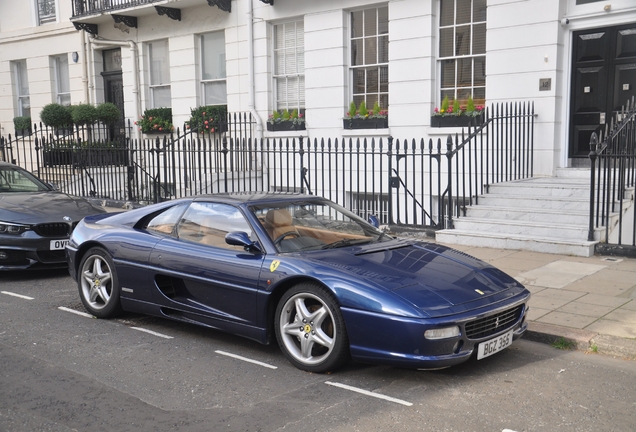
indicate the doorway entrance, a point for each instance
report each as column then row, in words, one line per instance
column 114, row 91
column 603, row 80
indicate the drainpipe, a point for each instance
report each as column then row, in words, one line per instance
column 84, row 60
column 250, row 69
column 104, row 43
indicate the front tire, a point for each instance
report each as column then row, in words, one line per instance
column 310, row 329
column 98, row 284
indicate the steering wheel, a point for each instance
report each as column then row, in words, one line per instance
column 282, row 236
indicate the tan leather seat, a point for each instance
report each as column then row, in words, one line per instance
column 279, row 222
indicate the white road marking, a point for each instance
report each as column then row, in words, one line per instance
column 152, row 332
column 508, row 430
column 84, row 314
column 368, row 393
column 238, row 357
column 17, row 295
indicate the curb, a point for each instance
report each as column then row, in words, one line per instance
column 583, row 340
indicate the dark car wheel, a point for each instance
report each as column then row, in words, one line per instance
column 98, row 284
column 310, row 329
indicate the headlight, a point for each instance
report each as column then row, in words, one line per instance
column 10, row 228
column 442, row 333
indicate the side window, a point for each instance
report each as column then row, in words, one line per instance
column 208, row 223
column 165, row 222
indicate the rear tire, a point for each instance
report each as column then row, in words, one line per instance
column 310, row 329
column 98, row 284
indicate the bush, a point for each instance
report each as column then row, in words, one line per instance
column 207, row 118
column 56, row 115
column 156, row 120
column 84, row 114
column 22, row 123
column 108, row 113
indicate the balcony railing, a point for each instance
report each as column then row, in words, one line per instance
column 91, row 7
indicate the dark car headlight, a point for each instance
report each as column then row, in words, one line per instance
column 11, row 228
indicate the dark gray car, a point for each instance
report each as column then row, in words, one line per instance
column 35, row 220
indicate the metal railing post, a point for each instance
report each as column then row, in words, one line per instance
column 449, row 157
column 593, row 155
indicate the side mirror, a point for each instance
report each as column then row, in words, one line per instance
column 240, row 238
column 373, row 220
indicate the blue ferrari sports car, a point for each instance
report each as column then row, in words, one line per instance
column 325, row 284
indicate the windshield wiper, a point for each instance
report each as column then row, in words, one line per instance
column 344, row 242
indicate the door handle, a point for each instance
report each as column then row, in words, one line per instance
column 601, row 119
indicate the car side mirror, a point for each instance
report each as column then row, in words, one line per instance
column 373, row 220
column 240, row 238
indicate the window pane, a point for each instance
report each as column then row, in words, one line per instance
column 383, row 20
column 64, row 82
column 462, row 40
column 213, row 56
column 215, row 93
column 356, row 24
column 463, row 95
column 64, row 99
column 290, row 61
column 450, row 94
column 447, row 13
column 480, row 71
column 448, row 73
column 371, row 100
column 356, row 52
column 479, row 96
column 446, row 42
column 25, row 106
column 479, row 10
column 159, row 64
column 464, row 72
column 359, row 80
column 383, row 49
column 161, row 97
column 370, row 22
column 384, row 101
column 370, row 51
column 384, row 80
column 479, row 39
column 463, row 11
column 289, row 65
column 372, row 81
column 23, row 82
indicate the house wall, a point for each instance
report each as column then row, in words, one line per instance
column 526, row 42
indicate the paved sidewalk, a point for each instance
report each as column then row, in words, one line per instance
column 588, row 301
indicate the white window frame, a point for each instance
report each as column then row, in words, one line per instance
column 221, row 80
column 456, row 88
column 296, row 102
column 50, row 17
column 17, row 67
column 381, row 66
column 162, row 85
column 62, row 96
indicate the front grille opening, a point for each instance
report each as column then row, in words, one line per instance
column 58, row 229
column 492, row 324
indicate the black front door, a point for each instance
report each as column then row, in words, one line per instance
column 114, row 90
column 603, row 80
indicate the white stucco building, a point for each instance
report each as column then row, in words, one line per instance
column 574, row 59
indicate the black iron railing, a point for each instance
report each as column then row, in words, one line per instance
column 613, row 178
column 404, row 182
column 91, row 7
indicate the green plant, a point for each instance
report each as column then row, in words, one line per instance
column 108, row 113
column 56, row 115
column 84, row 114
column 207, row 118
column 447, row 110
column 594, row 348
column 156, row 120
column 363, row 113
column 563, row 344
column 278, row 116
column 22, row 123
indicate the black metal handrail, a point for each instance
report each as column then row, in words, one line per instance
column 613, row 172
column 91, row 7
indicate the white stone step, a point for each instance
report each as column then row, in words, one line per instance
column 516, row 241
column 523, row 214
column 580, row 173
column 565, row 189
column 535, row 202
column 536, row 229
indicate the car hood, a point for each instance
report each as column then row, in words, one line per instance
column 39, row 207
column 435, row 279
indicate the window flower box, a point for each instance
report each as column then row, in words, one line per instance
column 365, row 123
column 457, row 121
column 285, row 125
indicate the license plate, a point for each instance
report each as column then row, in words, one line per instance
column 493, row 346
column 58, row 244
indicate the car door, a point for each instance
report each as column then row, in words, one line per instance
column 198, row 272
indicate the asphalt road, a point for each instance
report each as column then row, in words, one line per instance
column 61, row 371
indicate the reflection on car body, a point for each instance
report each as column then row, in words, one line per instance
column 299, row 270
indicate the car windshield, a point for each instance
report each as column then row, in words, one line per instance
column 18, row 180
column 304, row 226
